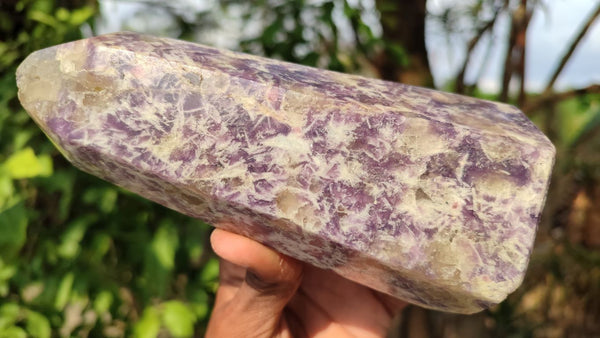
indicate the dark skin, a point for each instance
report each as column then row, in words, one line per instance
column 263, row 293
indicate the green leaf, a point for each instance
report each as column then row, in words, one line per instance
column 160, row 259
column 199, row 303
column 64, row 291
column 195, row 249
column 21, row 138
column 108, row 200
column 62, row 14
column 100, row 246
column 104, row 197
column 6, row 270
column 9, row 314
column 4, row 288
column 210, row 274
column 13, row 332
column 7, row 56
column 43, row 18
column 7, row 190
column 81, row 15
column 24, row 164
column 165, row 244
column 38, row 326
column 45, row 163
column 44, row 6
column 103, row 302
column 13, row 229
column 195, row 234
column 69, row 246
column 178, row 318
column 149, row 325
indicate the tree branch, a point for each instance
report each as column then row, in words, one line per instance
column 522, row 47
column 572, row 48
column 482, row 67
column 548, row 98
column 508, row 60
column 460, row 78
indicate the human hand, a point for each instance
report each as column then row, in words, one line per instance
column 266, row 294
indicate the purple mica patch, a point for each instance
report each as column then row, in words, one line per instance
column 480, row 165
column 427, row 196
column 60, row 126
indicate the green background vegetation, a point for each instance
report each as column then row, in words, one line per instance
column 78, row 256
column 81, row 257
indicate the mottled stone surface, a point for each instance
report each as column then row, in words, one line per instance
column 431, row 197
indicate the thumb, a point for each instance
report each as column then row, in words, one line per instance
column 256, row 285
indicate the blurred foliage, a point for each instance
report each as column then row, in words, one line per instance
column 311, row 33
column 80, row 257
column 341, row 35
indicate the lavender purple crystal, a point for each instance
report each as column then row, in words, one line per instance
column 427, row 196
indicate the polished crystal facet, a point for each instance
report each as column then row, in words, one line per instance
column 427, row 196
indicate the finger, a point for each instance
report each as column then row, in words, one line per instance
column 393, row 306
column 249, row 254
column 308, row 317
column 270, row 281
column 327, row 297
column 231, row 278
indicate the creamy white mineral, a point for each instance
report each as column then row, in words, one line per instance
column 427, row 196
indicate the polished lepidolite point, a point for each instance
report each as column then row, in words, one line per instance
column 427, row 196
